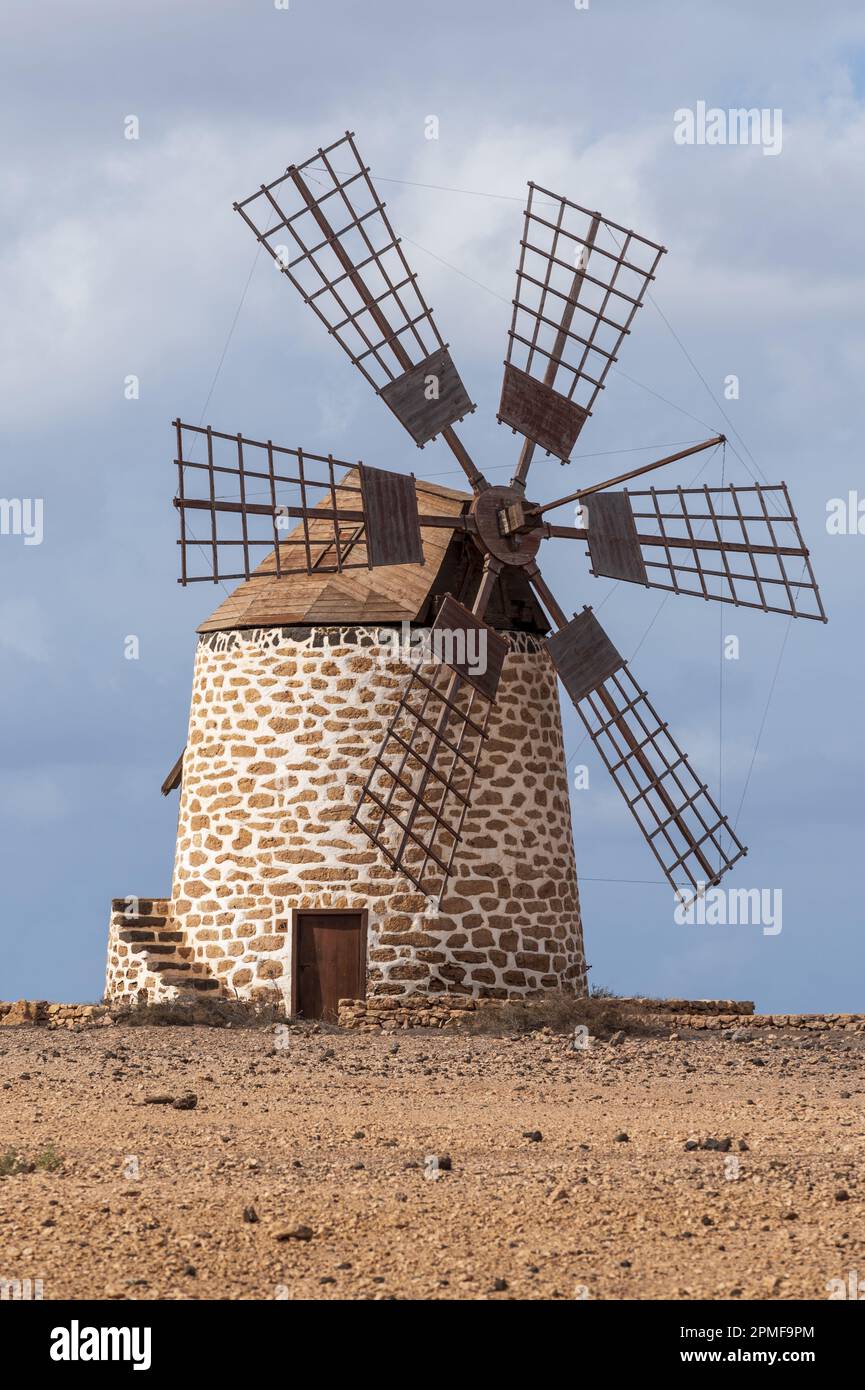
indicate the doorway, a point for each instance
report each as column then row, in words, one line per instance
column 328, row 962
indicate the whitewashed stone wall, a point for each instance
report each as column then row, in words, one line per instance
column 282, row 728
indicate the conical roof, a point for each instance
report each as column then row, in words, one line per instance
column 392, row 593
column 386, row 594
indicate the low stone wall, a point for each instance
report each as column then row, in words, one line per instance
column 690, row 1006
column 421, row 1011
column 449, row 1010
column 851, row 1023
column 40, row 1011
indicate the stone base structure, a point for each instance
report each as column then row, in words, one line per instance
column 283, row 727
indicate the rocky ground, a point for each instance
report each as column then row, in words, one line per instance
column 302, row 1169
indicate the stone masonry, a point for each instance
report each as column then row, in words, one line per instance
column 282, row 729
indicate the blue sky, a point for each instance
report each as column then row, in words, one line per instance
column 124, row 257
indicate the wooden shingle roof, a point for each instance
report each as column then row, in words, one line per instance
column 392, row 593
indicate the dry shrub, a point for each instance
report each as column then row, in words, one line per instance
column 207, row 1012
column 560, row 1011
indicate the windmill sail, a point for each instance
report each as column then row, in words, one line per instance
column 580, row 280
column 324, row 224
column 246, row 496
column 683, row 827
column 418, row 792
column 739, row 545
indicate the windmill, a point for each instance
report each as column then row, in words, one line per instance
column 581, row 278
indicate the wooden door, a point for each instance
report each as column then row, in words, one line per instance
column 329, row 962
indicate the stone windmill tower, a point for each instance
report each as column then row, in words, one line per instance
column 373, row 794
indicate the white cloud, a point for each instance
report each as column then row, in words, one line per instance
column 142, row 264
column 23, row 630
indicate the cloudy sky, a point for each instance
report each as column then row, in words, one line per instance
column 123, row 257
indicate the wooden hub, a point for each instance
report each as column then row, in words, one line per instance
column 498, row 514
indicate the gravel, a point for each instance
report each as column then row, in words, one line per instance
column 149, row 1201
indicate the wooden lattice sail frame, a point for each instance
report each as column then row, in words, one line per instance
column 581, row 279
column 569, row 322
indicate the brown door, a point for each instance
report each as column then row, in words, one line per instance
column 329, row 961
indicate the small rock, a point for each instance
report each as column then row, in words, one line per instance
column 842, row 1195
column 250, row 1215
column 499, row 1285
column 740, row 1035
column 187, row 1102
column 157, row 1100
column 533, row 1135
column 296, row 1233
column 623, row 1138
column 617, row 1038
column 558, row 1194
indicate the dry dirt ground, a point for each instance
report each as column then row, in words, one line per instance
column 325, row 1141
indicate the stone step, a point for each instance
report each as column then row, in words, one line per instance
column 171, row 962
column 136, row 936
column 149, row 920
column 145, row 905
column 189, row 982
